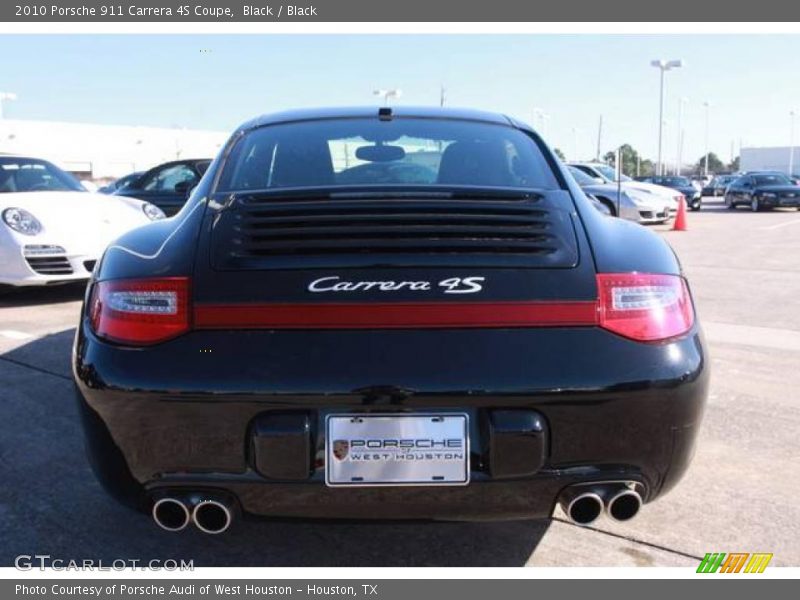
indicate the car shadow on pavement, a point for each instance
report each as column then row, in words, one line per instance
column 38, row 295
column 50, row 503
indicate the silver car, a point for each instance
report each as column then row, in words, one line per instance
column 625, row 202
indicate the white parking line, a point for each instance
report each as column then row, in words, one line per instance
column 13, row 334
column 779, row 225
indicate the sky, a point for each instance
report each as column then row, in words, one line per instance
column 218, row 81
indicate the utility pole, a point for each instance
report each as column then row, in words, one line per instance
column 707, row 105
column 442, row 95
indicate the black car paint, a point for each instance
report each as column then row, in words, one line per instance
column 120, row 183
column 747, row 190
column 718, row 185
column 181, row 415
column 693, row 196
column 168, row 201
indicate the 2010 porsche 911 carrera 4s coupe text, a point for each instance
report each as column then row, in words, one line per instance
column 388, row 313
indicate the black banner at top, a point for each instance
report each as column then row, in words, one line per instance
column 122, row 11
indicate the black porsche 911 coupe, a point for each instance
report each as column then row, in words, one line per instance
column 309, row 337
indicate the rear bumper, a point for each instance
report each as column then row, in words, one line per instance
column 181, row 415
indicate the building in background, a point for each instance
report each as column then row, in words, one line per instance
column 770, row 159
column 104, row 152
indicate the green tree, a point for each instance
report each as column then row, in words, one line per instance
column 715, row 165
column 734, row 164
column 559, row 154
column 630, row 159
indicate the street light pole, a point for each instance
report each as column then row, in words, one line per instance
column 599, row 138
column 791, row 143
column 663, row 66
column 392, row 93
column 575, row 131
column 707, row 105
column 679, row 158
column 6, row 96
column 540, row 119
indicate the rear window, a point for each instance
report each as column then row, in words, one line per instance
column 399, row 152
column 772, row 180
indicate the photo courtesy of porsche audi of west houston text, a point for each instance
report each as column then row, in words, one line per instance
column 388, row 313
column 150, row 590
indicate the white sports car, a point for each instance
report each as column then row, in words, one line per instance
column 607, row 174
column 53, row 230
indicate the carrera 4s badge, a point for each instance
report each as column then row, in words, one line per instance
column 451, row 285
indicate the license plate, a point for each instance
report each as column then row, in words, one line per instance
column 396, row 450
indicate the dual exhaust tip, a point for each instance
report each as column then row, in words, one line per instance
column 209, row 515
column 585, row 503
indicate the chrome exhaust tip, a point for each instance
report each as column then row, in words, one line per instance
column 212, row 516
column 624, row 505
column 171, row 514
column 582, row 508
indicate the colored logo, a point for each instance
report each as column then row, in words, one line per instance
column 341, row 448
column 734, row 562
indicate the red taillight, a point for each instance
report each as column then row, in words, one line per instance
column 140, row 311
column 644, row 307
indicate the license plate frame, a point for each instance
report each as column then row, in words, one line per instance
column 367, row 429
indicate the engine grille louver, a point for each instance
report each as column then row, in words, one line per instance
column 257, row 233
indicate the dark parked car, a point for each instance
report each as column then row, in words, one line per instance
column 718, row 185
column 167, row 185
column 120, row 183
column 304, row 342
column 763, row 191
column 694, row 198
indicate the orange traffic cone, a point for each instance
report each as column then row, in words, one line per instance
column 680, row 218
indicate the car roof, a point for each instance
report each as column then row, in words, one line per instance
column 426, row 112
column 181, row 161
column 22, row 157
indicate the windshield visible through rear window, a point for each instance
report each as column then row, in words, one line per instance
column 400, row 152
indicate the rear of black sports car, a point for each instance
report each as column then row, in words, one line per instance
column 410, row 313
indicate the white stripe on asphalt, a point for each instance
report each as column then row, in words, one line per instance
column 12, row 334
column 779, row 225
column 764, row 337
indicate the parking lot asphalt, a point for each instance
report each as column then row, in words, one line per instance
column 740, row 494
